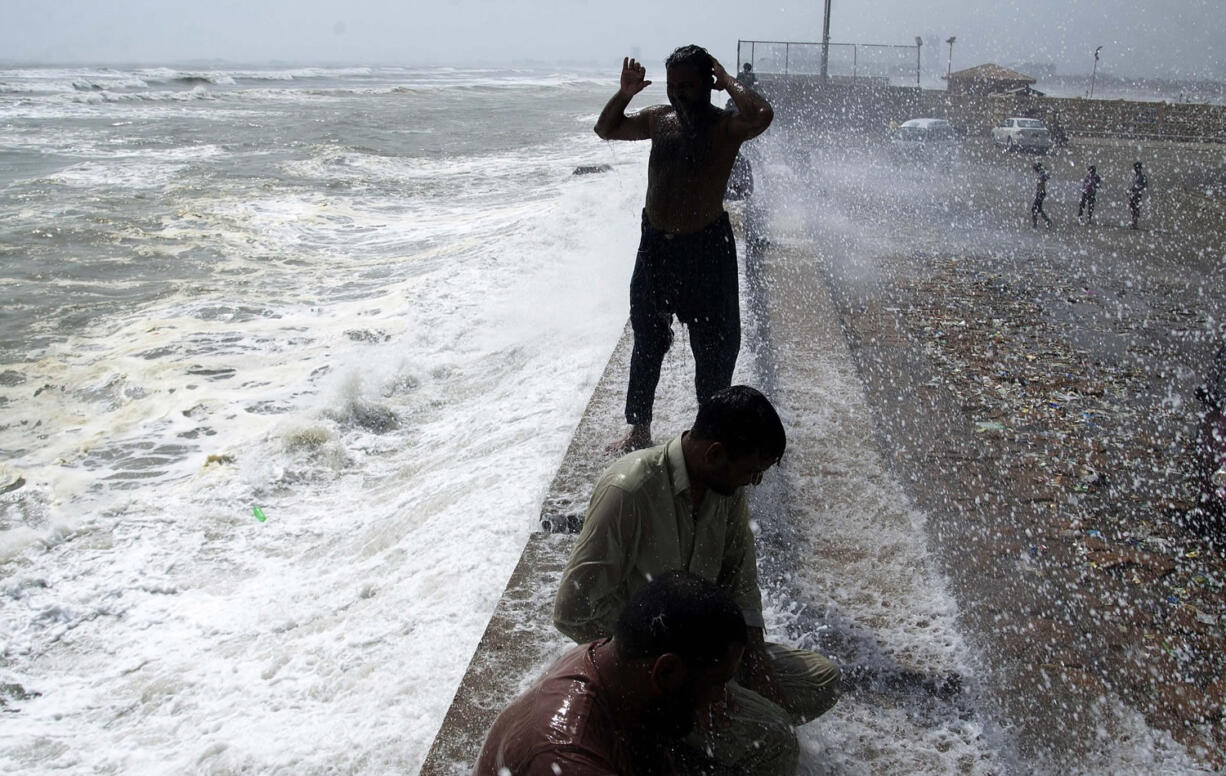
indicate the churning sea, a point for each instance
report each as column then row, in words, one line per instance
column 371, row 302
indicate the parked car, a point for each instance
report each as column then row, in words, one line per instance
column 1211, row 441
column 924, row 136
column 1022, row 134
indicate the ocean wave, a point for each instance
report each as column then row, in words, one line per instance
column 465, row 175
column 59, row 80
column 199, row 92
column 317, row 81
column 303, row 73
column 231, row 76
column 144, row 169
column 167, row 75
column 516, row 83
column 19, row 88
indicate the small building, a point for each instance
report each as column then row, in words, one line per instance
column 989, row 79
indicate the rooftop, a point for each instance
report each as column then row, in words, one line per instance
column 990, row 72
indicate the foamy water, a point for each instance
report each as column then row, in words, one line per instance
column 375, row 315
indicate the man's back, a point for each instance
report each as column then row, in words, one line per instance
column 561, row 726
column 641, row 523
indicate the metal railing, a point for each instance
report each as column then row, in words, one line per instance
column 899, row 65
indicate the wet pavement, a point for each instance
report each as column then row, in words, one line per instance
column 1034, row 391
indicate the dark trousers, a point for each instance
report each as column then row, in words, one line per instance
column 1087, row 205
column 693, row 277
column 1134, row 207
column 1036, row 210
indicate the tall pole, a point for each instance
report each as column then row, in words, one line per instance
column 950, row 67
column 919, row 43
column 826, row 42
column 1094, row 72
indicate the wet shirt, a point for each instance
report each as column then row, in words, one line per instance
column 640, row 523
column 1089, row 184
column 562, row 726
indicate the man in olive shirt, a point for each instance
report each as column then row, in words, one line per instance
column 621, row 706
column 682, row 505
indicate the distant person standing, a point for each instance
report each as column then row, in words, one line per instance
column 1058, row 136
column 1089, row 190
column 686, row 262
column 1040, row 194
column 1139, row 184
column 747, row 76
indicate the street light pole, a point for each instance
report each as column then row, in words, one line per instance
column 949, row 68
column 919, row 43
column 1094, row 72
column 826, row 41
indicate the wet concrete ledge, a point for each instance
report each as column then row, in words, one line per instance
column 520, row 640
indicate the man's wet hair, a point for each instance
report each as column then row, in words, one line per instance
column 695, row 56
column 743, row 421
column 680, row 613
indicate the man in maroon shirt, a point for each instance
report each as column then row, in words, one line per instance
column 622, row 705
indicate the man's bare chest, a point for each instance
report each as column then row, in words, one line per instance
column 679, row 148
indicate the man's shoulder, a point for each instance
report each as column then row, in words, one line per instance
column 636, row 470
column 654, row 113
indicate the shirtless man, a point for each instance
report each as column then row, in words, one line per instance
column 686, row 262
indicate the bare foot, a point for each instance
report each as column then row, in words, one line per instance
column 638, row 438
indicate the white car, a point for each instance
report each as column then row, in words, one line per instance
column 1021, row 134
column 924, row 136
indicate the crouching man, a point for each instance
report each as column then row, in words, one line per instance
column 621, row 706
column 682, row 505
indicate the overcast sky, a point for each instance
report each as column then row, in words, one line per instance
column 1139, row 37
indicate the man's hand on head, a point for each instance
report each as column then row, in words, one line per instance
column 633, row 77
column 719, row 75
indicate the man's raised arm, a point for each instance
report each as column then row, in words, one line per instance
column 754, row 112
column 613, row 123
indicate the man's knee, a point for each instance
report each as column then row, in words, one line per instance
column 716, row 345
column 811, row 683
column 827, row 687
column 653, row 331
column 777, row 752
column 761, row 744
